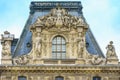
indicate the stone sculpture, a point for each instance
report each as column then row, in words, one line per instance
column 6, row 48
column 37, row 44
column 97, row 60
column 59, row 18
column 22, row 60
column 81, row 45
column 110, row 50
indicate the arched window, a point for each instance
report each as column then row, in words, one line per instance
column 58, row 47
column 59, row 78
column 96, row 78
column 22, row 78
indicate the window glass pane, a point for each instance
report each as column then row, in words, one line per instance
column 58, row 55
column 63, row 57
column 53, row 48
column 59, row 78
column 21, row 78
column 54, row 55
column 58, row 47
column 63, row 48
column 63, row 41
column 96, row 78
column 58, row 40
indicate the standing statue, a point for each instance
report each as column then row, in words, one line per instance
column 110, row 50
column 81, row 46
column 37, row 44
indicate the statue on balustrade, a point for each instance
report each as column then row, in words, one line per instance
column 110, row 50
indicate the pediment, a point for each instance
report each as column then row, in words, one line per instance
column 59, row 19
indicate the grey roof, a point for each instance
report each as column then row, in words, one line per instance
column 42, row 8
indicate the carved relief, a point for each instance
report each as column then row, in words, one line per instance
column 45, row 44
column 6, row 40
column 110, row 50
column 105, row 78
column 67, row 78
column 81, row 44
column 6, row 47
column 30, row 78
column 59, row 19
column 14, row 78
column 96, row 60
column 3, row 77
column 22, row 60
column 88, row 78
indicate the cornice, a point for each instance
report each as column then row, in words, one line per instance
column 48, row 5
column 61, row 69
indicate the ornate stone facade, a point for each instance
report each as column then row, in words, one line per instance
column 58, row 51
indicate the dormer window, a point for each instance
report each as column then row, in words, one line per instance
column 58, row 47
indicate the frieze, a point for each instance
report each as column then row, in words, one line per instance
column 59, row 67
column 63, row 71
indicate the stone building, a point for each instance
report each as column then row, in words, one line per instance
column 56, row 44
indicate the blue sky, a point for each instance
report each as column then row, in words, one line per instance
column 103, row 16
